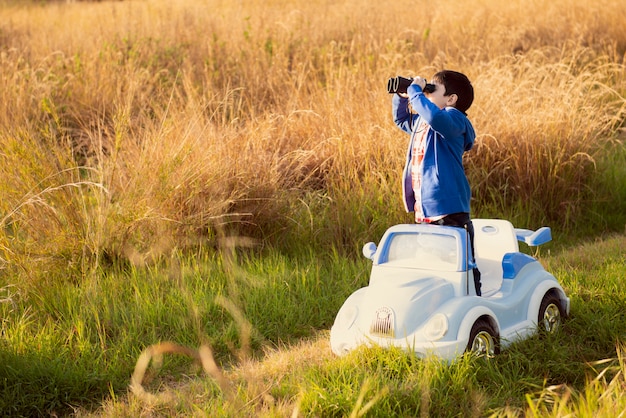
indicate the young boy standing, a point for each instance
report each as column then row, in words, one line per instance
column 435, row 186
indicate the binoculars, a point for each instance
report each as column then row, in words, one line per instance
column 399, row 84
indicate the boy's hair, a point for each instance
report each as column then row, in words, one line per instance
column 456, row 83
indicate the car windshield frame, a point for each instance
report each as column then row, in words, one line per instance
column 441, row 250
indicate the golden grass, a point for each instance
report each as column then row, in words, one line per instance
column 602, row 396
column 177, row 119
column 246, row 387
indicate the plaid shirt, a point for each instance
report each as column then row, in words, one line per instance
column 419, row 145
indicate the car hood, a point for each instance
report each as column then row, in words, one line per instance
column 399, row 310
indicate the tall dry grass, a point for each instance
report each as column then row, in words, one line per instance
column 131, row 128
column 558, row 108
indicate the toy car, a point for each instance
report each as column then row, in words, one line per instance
column 421, row 293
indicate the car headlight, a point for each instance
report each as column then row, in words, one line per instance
column 436, row 327
column 347, row 316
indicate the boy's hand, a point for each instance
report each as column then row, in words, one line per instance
column 420, row 82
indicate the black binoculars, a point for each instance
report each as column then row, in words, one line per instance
column 399, row 84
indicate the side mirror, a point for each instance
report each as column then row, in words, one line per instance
column 369, row 250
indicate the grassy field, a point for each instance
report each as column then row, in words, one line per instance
column 204, row 172
column 69, row 348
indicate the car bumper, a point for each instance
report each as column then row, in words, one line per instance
column 342, row 344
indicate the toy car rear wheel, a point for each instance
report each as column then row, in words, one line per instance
column 550, row 313
column 483, row 340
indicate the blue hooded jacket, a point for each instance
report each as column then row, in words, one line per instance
column 445, row 189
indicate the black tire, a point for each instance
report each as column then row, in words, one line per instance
column 551, row 313
column 483, row 339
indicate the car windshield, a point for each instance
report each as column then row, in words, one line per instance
column 423, row 250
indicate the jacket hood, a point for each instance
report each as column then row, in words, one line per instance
column 470, row 135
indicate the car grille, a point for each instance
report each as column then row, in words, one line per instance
column 383, row 323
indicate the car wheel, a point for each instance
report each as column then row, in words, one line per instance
column 483, row 340
column 550, row 313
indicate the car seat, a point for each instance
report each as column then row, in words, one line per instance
column 493, row 238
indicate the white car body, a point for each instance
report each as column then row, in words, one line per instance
column 421, row 292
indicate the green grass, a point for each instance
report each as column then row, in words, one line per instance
column 91, row 332
column 607, row 211
column 68, row 345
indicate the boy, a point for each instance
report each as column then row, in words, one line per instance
column 434, row 183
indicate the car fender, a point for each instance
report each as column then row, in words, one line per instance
column 538, row 294
column 470, row 318
column 342, row 332
column 353, row 300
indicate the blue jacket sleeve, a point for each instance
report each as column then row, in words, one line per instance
column 401, row 115
column 450, row 123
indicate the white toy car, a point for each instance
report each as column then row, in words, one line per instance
column 421, row 293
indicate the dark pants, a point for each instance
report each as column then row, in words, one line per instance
column 462, row 220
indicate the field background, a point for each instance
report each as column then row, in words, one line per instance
column 206, row 172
